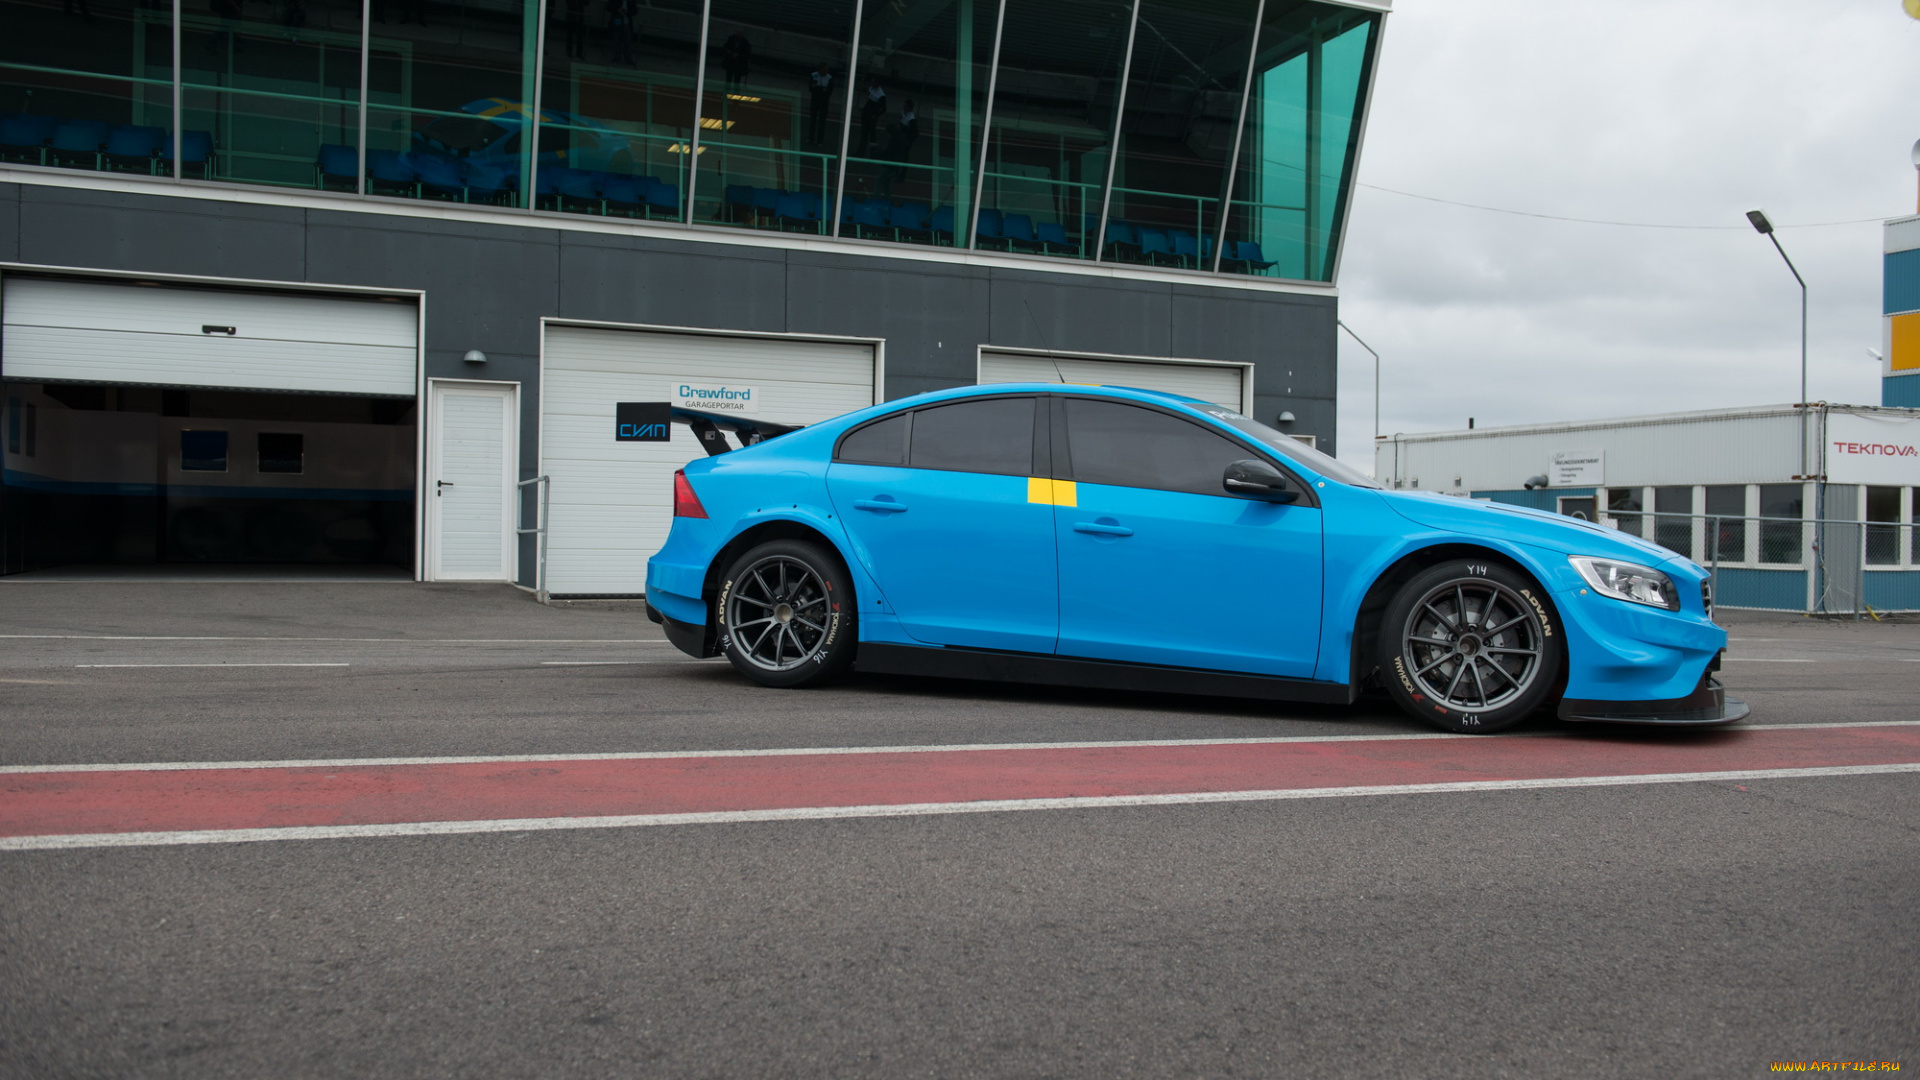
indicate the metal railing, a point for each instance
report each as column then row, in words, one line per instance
column 1813, row 564
column 538, row 532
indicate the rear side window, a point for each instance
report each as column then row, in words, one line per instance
column 1127, row 446
column 882, row 443
column 991, row 436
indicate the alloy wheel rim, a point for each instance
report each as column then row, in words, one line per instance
column 1473, row 645
column 777, row 613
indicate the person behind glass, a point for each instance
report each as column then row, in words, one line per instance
column 620, row 21
column 900, row 146
column 735, row 57
column 577, row 29
column 871, row 112
column 820, row 86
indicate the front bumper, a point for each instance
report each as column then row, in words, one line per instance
column 1708, row 704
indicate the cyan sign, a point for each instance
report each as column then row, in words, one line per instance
column 642, row 421
column 731, row 398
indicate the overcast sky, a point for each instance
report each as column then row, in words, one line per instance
column 1686, row 112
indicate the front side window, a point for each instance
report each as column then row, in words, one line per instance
column 1129, row 446
column 991, row 436
column 1287, row 446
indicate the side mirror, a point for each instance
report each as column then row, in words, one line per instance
column 1252, row 478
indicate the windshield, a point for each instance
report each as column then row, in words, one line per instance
column 1287, row 446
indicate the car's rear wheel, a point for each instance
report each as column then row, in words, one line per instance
column 1470, row 645
column 785, row 614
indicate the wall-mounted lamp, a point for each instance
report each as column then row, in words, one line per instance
column 1285, row 418
column 475, row 356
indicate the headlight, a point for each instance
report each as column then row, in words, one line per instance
column 1627, row 581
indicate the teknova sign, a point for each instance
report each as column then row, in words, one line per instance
column 716, row 397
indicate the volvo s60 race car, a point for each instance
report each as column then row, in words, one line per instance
column 1130, row 539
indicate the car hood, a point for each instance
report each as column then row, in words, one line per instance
column 1520, row 524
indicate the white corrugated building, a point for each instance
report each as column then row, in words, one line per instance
column 1793, row 509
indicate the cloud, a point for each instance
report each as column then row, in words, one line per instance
column 1678, row 112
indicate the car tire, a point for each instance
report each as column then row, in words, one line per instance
column 785, row 614
column 1471, row 646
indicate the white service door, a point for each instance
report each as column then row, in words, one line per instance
column 611, row 503
column 97, row 331
column 1222, row 384
column 470, row 485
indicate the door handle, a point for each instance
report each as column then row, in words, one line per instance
column 1101, row 528
column 438, row 484
column 882, row 505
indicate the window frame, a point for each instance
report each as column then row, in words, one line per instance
column 1063, row 459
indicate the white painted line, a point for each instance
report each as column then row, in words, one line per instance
column 1762, row 660
column 212, row 665
column 601, row 663
column 816, row 813
column 935, row 748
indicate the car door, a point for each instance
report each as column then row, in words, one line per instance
column 938, row 502
column 1159, row 565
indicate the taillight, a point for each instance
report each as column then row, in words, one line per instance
column 685, row 502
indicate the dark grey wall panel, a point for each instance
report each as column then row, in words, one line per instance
column 487, row 287
column 10, row 222
column 641, row 280
column 160, row 234
column 930, row 315
column 1044, row 311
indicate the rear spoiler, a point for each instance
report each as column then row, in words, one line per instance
column 708, row 426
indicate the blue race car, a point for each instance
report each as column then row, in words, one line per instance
column 1129, row 539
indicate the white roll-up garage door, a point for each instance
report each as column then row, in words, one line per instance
column 1222, row 384
column 108, row 332
column 611, row 503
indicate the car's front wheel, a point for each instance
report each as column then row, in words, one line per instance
column 1471, row 646
column 785, row 614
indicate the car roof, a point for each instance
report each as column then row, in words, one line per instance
column 1133, row 392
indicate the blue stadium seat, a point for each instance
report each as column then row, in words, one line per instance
column 1186, row 249
column 196, row 150
column 1122, row 241
column 798, row 210
column 1251, row 254
column 663, row 200
column 439, row 176
column 1018, row 229
column 909, row 221
column 135, row 147
column 1053, row 239
column 338, row 167
column 623, row 194
column 1154, row 245
column 991, row 225
column 942, row 225
column 487, row 181
column 78, row 143
column 24, row 136
column 873, row 219
column 390, row 172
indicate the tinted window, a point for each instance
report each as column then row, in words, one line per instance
column 1128, row 446
column 883, row 443
column 992, row 436
column 1287, row 446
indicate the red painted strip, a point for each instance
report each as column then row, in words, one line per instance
column 44, row 804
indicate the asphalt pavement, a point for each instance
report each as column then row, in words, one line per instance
column 1702, row 928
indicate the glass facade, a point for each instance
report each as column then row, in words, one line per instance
column 1190, row 134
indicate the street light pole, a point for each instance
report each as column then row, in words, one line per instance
column 1765, row 228
column 1376, row 376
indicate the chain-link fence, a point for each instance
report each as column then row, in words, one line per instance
column 1823, row 565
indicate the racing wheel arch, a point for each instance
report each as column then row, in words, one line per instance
column 784, row 528
column 1364, row 639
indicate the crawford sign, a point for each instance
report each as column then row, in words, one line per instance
column 1872, row 449
column 716, row 397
